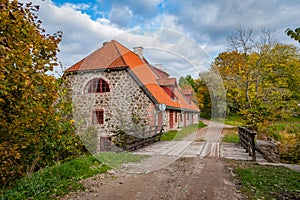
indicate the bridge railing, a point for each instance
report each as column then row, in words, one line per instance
column 247, row 139
column 133, row 138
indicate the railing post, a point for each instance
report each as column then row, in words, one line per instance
column 253, row 146
column 247, row 140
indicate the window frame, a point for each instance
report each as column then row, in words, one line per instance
column 96, row 85
column 98, row 116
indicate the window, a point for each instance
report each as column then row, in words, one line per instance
column 169, row 91
column 97, row 85
column 98, row 117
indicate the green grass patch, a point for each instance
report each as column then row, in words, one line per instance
column 169, row 135
column 230, row 135
column 267, row 182
column 115, row 160
column 61, row 179
column 234, row 120
column 180, row 134
column 291, row 120
column 56, row 180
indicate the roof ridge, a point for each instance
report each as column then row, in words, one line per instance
column 156, row 68
column 121, row 55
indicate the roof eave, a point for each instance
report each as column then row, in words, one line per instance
column 182, row 109
column 137, row 80
column 95, row 70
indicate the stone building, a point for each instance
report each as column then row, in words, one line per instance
column 115, row 88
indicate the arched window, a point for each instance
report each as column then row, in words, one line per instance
column 97, row 85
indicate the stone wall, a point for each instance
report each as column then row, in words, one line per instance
column 125, row 101
column 192, row 119
column 268, row 149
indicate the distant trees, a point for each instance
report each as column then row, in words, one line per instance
column 200, row 92
column 261, row 77
column 35, row 130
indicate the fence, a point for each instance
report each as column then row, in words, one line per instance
column 135, row 138
column 247, row 139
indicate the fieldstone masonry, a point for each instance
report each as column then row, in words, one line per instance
column 269, row 150
column 125, row 101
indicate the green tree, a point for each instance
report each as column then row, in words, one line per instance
column 203, row 96
column 294, row 34
column 184, row 83
column 34, row 128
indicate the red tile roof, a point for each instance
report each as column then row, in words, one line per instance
column 187, row 91
column 107, row 57
column 114, row 55
column 167, row 82
column 159, row 72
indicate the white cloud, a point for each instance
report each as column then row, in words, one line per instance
column 120, row 15
column 81, row 34
column 171, row 48
column 193, row 32
column 140, row 8
column 80, row 6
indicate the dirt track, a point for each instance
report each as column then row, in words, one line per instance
column 167, row 177
column 186, row 178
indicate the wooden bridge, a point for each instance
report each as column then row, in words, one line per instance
column 132, row 139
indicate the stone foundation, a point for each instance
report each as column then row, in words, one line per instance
column 268, row 149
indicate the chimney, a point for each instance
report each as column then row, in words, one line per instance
column 159, row 66
column 138, row 51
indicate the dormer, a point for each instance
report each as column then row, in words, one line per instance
column 188, row 94
column 168, row 84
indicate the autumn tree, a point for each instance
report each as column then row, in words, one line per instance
column 200, row 91
column 34, row 129
column 261, row 77
column 208, row 93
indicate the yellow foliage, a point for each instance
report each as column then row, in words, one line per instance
column 30, row 120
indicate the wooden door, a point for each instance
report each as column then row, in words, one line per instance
column 171, row 119
column 159, row 119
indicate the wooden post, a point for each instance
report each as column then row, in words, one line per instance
column 247, row 140
column 253, row 147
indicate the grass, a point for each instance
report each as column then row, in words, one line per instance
column 61, row 179
column 115, row 160
column 180, row 134
column 267, row 182
column 234, row 120
column 230, row 135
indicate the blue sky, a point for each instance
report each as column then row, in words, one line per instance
column 184, row 36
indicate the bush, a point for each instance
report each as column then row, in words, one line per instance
column 287, row 136
column 36, row 128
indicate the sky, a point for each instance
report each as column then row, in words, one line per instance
column 184, row 36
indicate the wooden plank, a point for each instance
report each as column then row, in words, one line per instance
column 247, row 139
